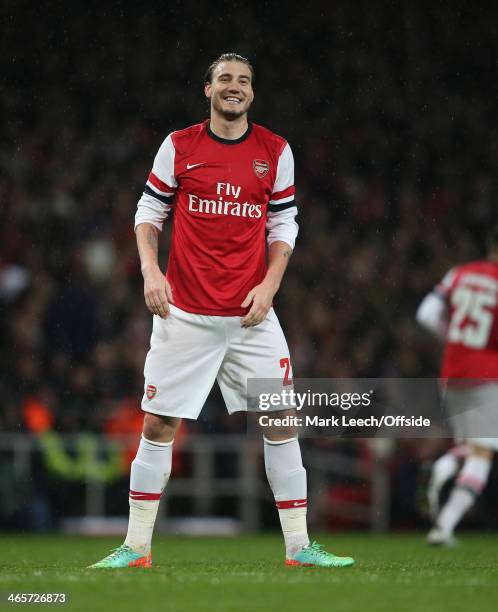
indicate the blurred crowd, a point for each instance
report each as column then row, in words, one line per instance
column 390, row 116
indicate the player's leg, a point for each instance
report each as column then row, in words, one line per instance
column 180, row 370
column 287, row 479
column 469, row 484
column 261, row 352
column 442, row 470
column 150, row 471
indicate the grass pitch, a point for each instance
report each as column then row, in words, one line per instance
column 395, row 572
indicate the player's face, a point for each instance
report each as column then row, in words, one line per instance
column 230, row 91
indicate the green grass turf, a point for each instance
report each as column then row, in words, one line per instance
column 395, row 572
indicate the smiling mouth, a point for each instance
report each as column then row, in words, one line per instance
column 232, row 100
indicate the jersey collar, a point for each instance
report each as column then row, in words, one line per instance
column 227, row 141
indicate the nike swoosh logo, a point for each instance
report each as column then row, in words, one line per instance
column 300, row 503
column 189, row 166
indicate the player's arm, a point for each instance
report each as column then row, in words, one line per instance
column 157, row 290
column 260, row 297
column 433, row 315
column 433, row 311
column 282, row 232
column 152, row 211
column 279, row 254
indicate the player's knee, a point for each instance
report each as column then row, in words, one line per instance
column 480, row 451
column 160, row 428
column 282, row 427
column 279, row 435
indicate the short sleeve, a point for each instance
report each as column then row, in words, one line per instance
column 283, row 190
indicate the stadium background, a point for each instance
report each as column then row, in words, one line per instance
column 390, row 112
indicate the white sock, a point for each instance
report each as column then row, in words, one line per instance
column 150, row 472
column 469, row 484
column 287, row 478
column 444, row 468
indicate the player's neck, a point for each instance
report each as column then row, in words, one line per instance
column 230, row 130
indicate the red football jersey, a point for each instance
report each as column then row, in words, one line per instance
column 471, row 293
column 219, row 192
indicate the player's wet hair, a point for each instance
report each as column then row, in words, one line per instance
column 492, row 240
column 228, row 57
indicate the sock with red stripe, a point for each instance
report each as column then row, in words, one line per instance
column 150, row 472
column 468, row 486
column 287, row 478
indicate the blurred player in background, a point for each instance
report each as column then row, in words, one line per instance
column 463, row 311
column 229, row 182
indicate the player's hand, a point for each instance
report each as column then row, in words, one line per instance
column 157, row 292
column 261, row 298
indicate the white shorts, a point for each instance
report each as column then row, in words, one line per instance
column 473, row 414
column 188, row 352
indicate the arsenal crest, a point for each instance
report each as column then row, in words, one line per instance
column 151, row 391
column 261, row 167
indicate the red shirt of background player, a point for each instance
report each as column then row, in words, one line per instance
column 471, row 295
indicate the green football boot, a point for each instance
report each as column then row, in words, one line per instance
column 314, row 556
column 123, row 556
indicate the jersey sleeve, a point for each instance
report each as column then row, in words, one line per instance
column 433, row 315
column 433, row 311
column 443, row 288
column 160, row 188
column 282, row 210
column 283, row 190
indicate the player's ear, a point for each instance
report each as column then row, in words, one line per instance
column 207, row 89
